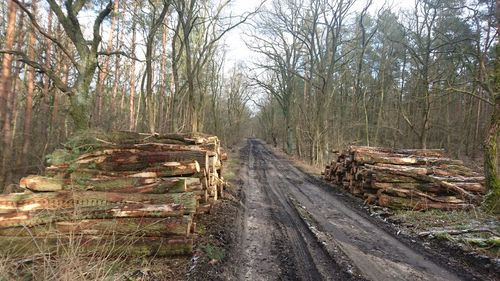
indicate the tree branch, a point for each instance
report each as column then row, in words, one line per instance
column 120, row 53
column 470, row 94
column 45, row 34
column 22, row 57
column 71, row 27
column 78, row 6
column 97, row 25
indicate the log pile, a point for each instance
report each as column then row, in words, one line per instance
column 121, row 192
column 416, row 179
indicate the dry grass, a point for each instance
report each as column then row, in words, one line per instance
column 441, row 222
column 296, row 161
column 71, row 258
column 459, row 219
column 67, row 259
column 416, row 222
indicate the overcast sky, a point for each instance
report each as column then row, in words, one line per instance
column 236, row 49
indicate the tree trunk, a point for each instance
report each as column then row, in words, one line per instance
column 103, row 70
column 150, row 106
column 162, row 95
column 132, row 77
column 28, row 112
column 5, row 94
column 492, row 201
column 117, row 76
column 44, row 104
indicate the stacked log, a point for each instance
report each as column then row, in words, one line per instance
column 416, row 179
column 125, row 192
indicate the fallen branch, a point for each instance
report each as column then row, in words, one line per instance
column 457, row 232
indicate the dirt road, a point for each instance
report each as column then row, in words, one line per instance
column 295, row 229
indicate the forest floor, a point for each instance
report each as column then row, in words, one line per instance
column 278, row 222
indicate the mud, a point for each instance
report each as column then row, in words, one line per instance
column 293, row 228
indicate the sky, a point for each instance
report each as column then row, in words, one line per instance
column 237, row 51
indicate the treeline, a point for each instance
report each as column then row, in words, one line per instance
column 151, row 66
column 337, row 74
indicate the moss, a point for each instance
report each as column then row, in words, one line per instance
column 230, row 168
column 443, row 236
column 201, row 229
column 492, row 201
column 59, row 156
column 484, row 242
column 213, row 252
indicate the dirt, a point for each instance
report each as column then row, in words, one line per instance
column 279, row 223
column 321, row 233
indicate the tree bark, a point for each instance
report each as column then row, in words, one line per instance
column 103, row 70
column 5, row 95
column 147, row 227
column 149, row 66
column 46, row 82
column 28, row 111
column 132, row 77
column 492, row 201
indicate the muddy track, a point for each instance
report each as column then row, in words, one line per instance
column 294, row 229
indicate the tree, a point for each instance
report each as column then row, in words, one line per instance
column 155, row 25
column 6, row 94
column 274, row 41
column 492, row 201
column 28, row 113
column 104, row 68
column 88, row 51
column 200, row 27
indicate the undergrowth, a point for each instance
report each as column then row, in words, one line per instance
column 68, row 259
column 214, row 252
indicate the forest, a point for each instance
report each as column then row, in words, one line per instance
column 321, row 75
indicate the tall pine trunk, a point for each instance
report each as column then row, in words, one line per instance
column 5, row 95
column 28, row 111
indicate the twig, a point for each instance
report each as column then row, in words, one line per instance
column 457, row 232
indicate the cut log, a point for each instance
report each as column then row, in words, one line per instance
column 223, row 156
column 401, row 159
column 391, row 167
column 167, row 169
column 204, row 209
column 426, row 187
column 148, row 147
column 418, row 195
column 150, row 227
column 130, row 184
column 389, row 177
column 417, row 152
column 134, row 159
column 32, row 201
column 118, row 210
column 472, row 187
column 68, row 199
column 201, row 195
column 41, row 183
column 425, row 178
column 420, row 204
column 160, row 227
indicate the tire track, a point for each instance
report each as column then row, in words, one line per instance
column 376, row 254
column 277, row 244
